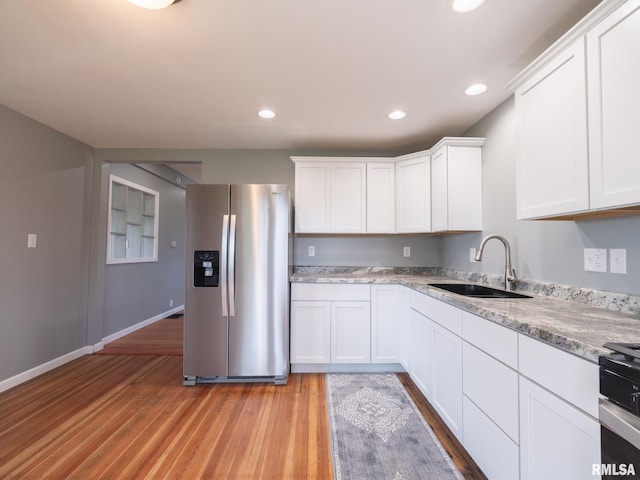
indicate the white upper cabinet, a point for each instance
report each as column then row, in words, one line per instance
column 312, row 193
column 413, row 193
column 577, row 110
column 552, row 159
column 613, row 64
column 376, row 195
column 456, row 185
column 330, row 195
column 348, row 198
column 381, row 202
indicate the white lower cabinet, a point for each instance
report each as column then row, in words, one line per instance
column 494, row 452
column 420, row 353
column 570, row 377
column 386, row 323
column 330, row 323
column 490, row 403
column 557, row 440
column 310, row 332
column 530, row 409
column 350, row 332
column 522, row 409
column 447, row 378
column 493, row 387
column 436, row 357
column 559, row 430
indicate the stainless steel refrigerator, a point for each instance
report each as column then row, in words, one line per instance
column 237, row 283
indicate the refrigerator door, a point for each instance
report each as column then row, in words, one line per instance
column 258, row 281
column 205, row 323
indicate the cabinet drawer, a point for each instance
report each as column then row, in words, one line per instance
column 442, row 313
column 492, row 450
column 330, row 291
column 498, row 341
column 570, row 377
column 493, row 387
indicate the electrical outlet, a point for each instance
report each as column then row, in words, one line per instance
column 406, row 251
column 595, row 259
column 171, row 302
column 311, row 251
column 618, row 259
column 472, row 254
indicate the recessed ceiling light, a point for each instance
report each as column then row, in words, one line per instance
column 266, row 113
column 397, row 115
column 153, row 4
column 476, row 89
column 462, row 6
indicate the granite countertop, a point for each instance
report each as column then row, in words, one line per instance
column 570, row 325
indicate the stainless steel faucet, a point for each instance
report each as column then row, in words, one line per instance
column 509, row 273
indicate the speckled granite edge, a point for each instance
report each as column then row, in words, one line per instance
column 617, row 302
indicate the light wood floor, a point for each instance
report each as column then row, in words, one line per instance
column 125, row 416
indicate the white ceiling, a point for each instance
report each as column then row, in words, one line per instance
column 194, row 75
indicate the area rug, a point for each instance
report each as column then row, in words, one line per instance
column 378, row 433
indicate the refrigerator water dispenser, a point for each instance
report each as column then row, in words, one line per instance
column 206, row 268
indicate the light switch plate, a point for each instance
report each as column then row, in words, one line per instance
column 32, row 240
column 618, row 259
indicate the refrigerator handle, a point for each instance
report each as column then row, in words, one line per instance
column 223, row 265
column 232, row 267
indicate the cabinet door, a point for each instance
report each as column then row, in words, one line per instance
column 439, row 189
column 551, row 121
column 421, row 342
column 456, row 188
column 556, row 439
column 493, row 387
column 310, row 332
column 350, row 332
column 446, row 365
column 413, row 197
column 613, row 48
column 464, row 188
column 312, row 193
column 348, row 198
column 386, row 322
column 381, row 198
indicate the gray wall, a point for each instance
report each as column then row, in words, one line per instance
column 44, row 189
column 134, row 292
column 542, row 250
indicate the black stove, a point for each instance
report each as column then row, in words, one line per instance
column 620, row 375
column 619, row 414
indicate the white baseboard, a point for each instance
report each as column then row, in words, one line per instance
column 88, row 350
column 44, row 368
column 346, row 367
column 137, row 326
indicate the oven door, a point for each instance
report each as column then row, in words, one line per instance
column 620, row 441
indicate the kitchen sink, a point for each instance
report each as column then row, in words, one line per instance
column 478, row 291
